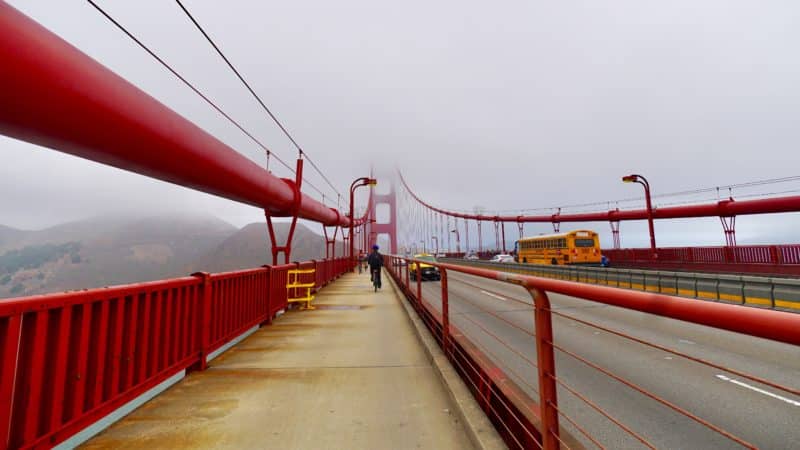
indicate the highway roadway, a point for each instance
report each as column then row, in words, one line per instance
column 498, row 318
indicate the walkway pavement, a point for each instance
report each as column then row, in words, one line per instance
column 350, row 374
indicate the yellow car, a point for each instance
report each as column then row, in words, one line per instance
column 427, row 271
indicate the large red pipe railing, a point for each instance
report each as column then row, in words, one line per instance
column 56, row 96
column 67, row 360
column 724, row 208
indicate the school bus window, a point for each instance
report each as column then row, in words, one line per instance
column 584, row 242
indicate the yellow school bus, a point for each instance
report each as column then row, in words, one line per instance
column 573, row 247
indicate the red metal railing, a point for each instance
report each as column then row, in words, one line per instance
column 71, row 358
column 763, row 259
column 504, row 391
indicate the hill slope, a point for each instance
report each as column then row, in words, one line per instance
column 102, row 252
column 119, row 250
column 250, row 247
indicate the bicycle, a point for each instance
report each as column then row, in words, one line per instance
column 376, row 279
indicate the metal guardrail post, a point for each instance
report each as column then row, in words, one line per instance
column 8, row 374
column 408, row 278
column 548, row 401
column 204, row 333
column 418, row 272
column 445, row 313
column 268, row 320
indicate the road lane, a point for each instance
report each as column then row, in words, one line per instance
column 498, row 317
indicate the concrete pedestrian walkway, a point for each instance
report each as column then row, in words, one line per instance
column 350, row 374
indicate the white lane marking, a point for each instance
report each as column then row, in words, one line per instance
column 494, row 295
column 760, row 391
column 684, row 341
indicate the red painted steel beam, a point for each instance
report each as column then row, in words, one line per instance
column 56, row 96
column 725, row 208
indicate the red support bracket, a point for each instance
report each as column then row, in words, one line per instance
column 556, row 221
column 503, row 235
column 615, row 233
column 729, row 226
column 466, row 232
column 497, row 245
column 293, row 212
column 330, row 244
column 346, row 238
column 480, row 238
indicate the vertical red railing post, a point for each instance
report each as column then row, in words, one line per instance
column 445, row 313
column 204, row 320
column 8, row 376
column 774, row 255
column 548, row 401
column 408, row 278
column 268, row 318
column 418, row 276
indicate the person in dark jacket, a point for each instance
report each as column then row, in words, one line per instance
column 375, row 261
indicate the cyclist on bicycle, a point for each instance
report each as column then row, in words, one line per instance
column 375, row 261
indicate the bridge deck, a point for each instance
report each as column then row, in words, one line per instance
column 350, row 374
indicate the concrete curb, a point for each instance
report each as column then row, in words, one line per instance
column 481, row 431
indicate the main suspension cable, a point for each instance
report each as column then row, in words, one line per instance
column 144, row 47
column 256, row 96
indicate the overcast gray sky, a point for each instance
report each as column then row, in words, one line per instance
column 506, row 105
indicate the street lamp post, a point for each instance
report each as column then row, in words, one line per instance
column 363, row 181
column 436, row 238
column 643, row 181
column 458, row 241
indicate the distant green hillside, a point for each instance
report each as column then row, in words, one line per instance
column 33, row 256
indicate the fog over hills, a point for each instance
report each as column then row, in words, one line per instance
column 108, row 251
column 250, row 247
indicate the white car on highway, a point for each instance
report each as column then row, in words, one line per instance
column 502, row 258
